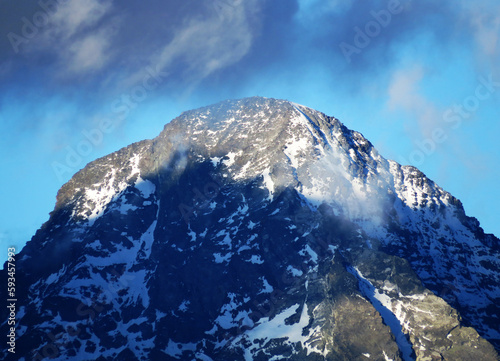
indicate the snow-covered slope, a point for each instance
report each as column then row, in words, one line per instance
column 257, row 229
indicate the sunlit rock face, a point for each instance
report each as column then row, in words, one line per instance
column 256, row 229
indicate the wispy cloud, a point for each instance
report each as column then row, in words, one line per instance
column 205, row 44
column 487, row 30
column 74, row 16
column 404, row 94
column 90, row 53
column 484, row 21
column 77, row 37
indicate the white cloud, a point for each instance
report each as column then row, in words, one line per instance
column 487, row 33
column 89, row 53
column 404, row 94
column 84, row 36
column 75, row 36
column 484, row 19
column 206, row 44
column 403, row 87
column 74, row 16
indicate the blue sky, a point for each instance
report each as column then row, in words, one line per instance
column 80, row 79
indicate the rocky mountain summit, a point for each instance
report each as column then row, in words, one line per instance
column 256, row 229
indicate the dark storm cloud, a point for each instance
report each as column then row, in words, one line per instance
column 84, row 40
column 105, row 48
column 96, row 52
column 365, row 36
column 353, row 40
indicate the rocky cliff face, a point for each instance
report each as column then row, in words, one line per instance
column 256, row 229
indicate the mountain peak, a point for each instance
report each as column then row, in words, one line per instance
column 262, row 135
column 309, row 243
